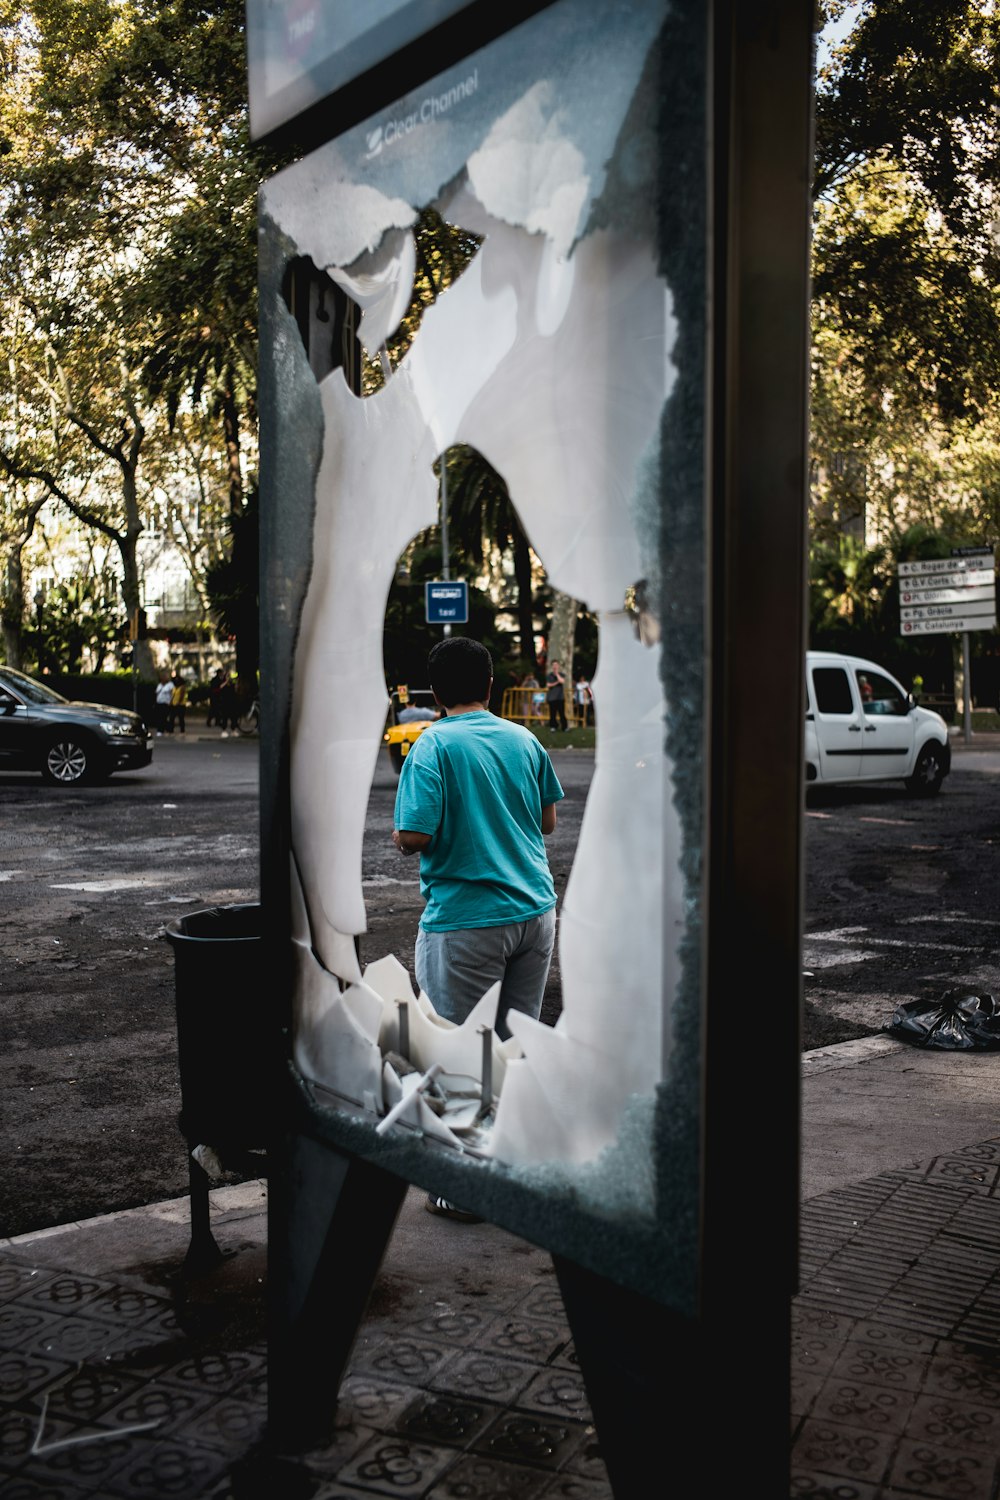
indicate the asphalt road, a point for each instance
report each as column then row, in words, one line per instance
column 900, row 902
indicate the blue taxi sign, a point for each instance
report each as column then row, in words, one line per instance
column 447, row 602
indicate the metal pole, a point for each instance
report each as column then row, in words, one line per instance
column 445, row 565
column 966, row 689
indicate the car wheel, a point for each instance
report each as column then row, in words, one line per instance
column 928, row 773
column 396, row 756
column 69, row 761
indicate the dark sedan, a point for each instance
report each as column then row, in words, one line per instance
column 67, row 742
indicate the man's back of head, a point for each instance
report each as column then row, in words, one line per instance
column 460, row 671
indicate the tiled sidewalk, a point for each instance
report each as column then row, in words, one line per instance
column 119, row 1381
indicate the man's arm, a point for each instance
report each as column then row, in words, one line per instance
column 408, row 842
column 549, row 818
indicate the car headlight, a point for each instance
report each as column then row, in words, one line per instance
column 115, row 726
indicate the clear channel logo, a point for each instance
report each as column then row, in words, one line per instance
column 430, row 108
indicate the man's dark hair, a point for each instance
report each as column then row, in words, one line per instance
column 460, row 670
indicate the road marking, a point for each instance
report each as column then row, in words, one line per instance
column 10, row 874
column 877, row 942
column 124, row 883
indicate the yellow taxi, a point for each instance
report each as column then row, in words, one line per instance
column 410, row 712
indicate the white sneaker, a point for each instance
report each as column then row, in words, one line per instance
column 224, row 735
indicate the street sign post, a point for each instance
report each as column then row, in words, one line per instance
column 447, row 603
column 945, row 594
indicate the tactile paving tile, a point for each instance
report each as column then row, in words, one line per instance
column 909, row 1402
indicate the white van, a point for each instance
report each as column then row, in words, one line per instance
column 861, row 725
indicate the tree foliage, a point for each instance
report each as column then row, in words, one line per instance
column 128, row 263
column 906, row 309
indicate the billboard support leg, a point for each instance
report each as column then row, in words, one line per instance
column 330, row 1219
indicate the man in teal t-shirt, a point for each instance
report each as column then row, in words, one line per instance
column 477, row 794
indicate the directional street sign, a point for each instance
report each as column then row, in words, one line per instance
column 447, row 603
column 946, row 594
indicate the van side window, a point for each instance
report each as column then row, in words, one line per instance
column 882, row 696
column 833, row 690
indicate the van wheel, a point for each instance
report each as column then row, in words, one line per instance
column 396, row 756
column 928, row 773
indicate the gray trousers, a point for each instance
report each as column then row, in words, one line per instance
column 455, row 969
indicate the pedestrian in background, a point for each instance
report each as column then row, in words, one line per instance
column 555, row 684
column 227, row 706
column 214, row 689
column 178, row 704
column 164, row 698
column 583, row 697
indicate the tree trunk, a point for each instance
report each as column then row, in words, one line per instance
column 231, row 431
column 142, row 652
column 562, row 630
column 12, row 607
column 525, row 602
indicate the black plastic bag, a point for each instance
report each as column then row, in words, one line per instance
column 958, row 1022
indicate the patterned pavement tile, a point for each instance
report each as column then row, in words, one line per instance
column 162, row 1471
column 410, row 1361
column 212, row 1370
column 944, row 1474
column 88, row 1392
column 22, row 1325
column 858, row 1405
column 521, row 1437
column 852, row 1452
column 574, row 1487
column 478, row 1478
column 375, row 1403
column 77, row 1337
column 88, row 1465
column 16, row 1277
column 66, row 1293
column 440, row 1418
column 544, row 1301
column 231, row 1425
column 489, row 1375
column 169, row 1406
column 134, row 1307
column 957, row 1370
column 23, row 1375
column 393, row 1466
column 894, row 1369
column 524, row 1338
column 24, row 1486
column 944, row 1422
column 831, row 1487
column 892, row 1336
column 805, row 1389
column 586, row 1460
column 556, row 1393
column 18, row 1430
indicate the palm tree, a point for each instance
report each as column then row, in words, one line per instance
column 481, row 514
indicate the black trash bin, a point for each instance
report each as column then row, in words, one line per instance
column 225, row 1049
